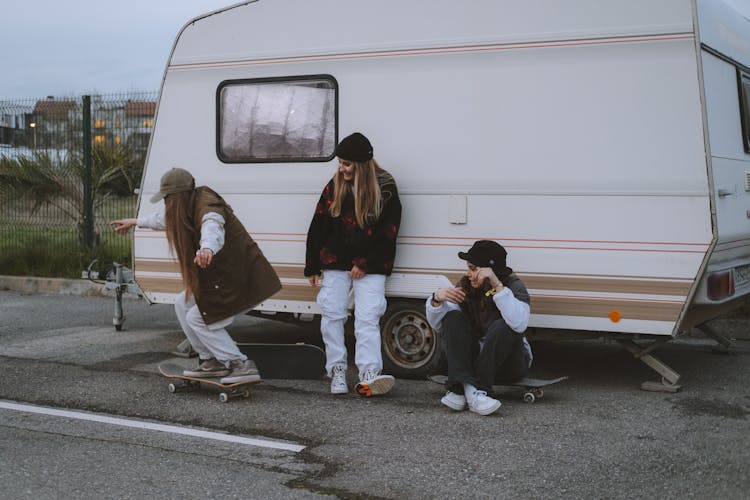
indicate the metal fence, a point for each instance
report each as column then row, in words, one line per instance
column 68, row 166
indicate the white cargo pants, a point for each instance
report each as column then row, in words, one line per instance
column 209, row 341
column 369, row 306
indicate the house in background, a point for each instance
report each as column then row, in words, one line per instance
column 13, row 118
column 55, row 123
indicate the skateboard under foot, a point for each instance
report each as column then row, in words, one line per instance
column 532, row 387
column 183, row 383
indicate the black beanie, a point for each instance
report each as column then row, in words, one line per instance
column 355, row 147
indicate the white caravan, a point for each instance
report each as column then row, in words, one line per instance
column 605, row 144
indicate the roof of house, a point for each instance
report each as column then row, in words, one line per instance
column 54, row 110
column 140, row 108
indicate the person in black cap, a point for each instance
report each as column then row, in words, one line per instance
column 482, row 320
column 351, row 245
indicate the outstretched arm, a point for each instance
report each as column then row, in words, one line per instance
column 122, row 226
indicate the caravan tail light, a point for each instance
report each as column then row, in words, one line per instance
column 721, row 285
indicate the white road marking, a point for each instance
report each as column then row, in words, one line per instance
column 174, row 429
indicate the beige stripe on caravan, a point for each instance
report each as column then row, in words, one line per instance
column 564, row 306
column 601, row 308
column 640, row 286
column 290, row 291
column 589, row 284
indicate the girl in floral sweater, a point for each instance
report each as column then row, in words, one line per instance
column 351, row 244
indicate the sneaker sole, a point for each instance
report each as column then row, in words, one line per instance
column 242, row 378
column 340, row 391
column 379, row 386
column 487, row 411
column 222, row 373
column 452, row 405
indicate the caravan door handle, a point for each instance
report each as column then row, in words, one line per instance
column 725, row 192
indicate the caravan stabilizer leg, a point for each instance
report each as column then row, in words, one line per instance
column 719, row 338
column 669, row 377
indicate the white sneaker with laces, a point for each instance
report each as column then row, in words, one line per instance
column 338, row 380
column 454, row 401
column 482, row 404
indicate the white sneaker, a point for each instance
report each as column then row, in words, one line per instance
column 338, row 380
column 454, row 401
column 482, row 404
column 372, row 384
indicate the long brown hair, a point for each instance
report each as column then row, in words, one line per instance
column 182, row 236
column 368, row 198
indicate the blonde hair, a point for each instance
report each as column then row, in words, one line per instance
column 368, row 198
column 182, row 236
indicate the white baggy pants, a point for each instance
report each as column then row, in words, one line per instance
column 209, row 341
column 369, row 306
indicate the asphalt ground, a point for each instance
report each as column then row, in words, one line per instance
column 594, row 435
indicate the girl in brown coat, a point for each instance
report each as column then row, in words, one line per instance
column 224, row 272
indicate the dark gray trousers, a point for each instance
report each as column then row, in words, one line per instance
column 501, row 358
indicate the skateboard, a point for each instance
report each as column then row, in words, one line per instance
column 182, row 382
column 287, row 361
column 533, row 388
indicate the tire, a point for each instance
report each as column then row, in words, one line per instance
column 411, row 348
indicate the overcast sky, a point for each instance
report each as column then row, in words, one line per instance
column 72, row 47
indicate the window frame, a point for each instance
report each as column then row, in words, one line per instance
column 744, row 106
column 278, row 79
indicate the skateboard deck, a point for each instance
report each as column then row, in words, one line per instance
column 286, row 361
column 532, row 387
column 182, row 382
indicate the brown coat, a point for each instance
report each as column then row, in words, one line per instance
column 239, row 276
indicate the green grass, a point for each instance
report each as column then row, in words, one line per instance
column 56, row 253
column 46, row 242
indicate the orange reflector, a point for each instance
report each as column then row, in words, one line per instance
column 615, row 316
column 720, row 285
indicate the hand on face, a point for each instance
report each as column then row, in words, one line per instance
column 478, row 275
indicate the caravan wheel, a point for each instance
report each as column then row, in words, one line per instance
column 410, row 347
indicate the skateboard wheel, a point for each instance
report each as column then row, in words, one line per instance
column 172, row 388
column 539, row 393
column 223, row 397
column 528, row 397
column 246, row 394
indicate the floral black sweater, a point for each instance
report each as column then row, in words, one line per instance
column 339, row 242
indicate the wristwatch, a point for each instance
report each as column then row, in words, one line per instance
column 434, row 299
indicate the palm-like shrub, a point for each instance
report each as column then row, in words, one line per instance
column 56, row 179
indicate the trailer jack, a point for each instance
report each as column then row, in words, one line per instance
column 669, row 377
column 118, row 278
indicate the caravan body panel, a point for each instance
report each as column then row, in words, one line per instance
column 576, row 141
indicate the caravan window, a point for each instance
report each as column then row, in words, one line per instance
column 290, row 119
column 743, row 79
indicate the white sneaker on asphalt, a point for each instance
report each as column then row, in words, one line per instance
column 454, row 401
column 372, row 384
column 338, row 380
column 482, row 404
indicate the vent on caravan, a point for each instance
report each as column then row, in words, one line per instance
column 747, row 181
